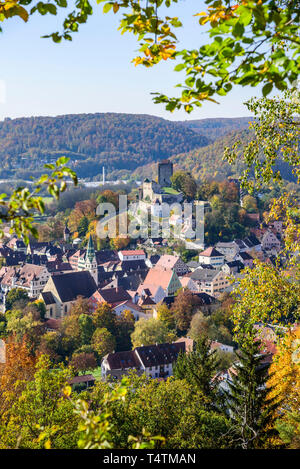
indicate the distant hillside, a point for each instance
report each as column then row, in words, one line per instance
column 117, row 141
column 206, row 162
column 217, row 127
column 203, row 163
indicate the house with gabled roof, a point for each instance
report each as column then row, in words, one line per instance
column 212, row 257
column 165, row 278
column 111, row 296
column 175, row 263
column 245, row 258
column 63, row 289
column 233, row 267
column 211, row 281
column 17, row 244
column 270, row 241
column 132, row 255
column 156, row 361
column 28, row 277
column 137, row 311
column 228, row 249
column 106, row 255
column 187, row 282
column 252, row 242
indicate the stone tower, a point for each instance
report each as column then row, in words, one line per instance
column 90, row 262
column 165, row 171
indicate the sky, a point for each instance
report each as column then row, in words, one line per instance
column 94, row 73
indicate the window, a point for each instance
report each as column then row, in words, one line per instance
column 66, row 308
column 51, row 312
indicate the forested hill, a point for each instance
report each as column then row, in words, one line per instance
column 117, row 141
column 203, row 163
column 206, row 162
column 216, row 128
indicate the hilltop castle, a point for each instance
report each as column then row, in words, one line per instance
column 161, row 191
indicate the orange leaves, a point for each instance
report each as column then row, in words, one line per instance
column 156, row 53
column 115, row 7
column 159, row 44
column 214, row 15
column 18, row 369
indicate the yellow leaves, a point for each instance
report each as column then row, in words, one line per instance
column 264, row 69
column 285, row 372
column 11, row 8
column 204, row 97
column 67, row 391
column 48, row 444
column 168, row 53
column 155, row 53
column 218, row 14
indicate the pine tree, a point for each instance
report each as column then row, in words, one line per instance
column 251, row 411
column 199, row 367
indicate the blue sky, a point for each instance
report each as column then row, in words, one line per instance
column 93, row 73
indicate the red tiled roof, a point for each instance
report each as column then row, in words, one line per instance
column 167, row 261
column 211, row 252
column 133, row 252
column 82, row 379
column 158, row 277
column 123, row 360
column 189, row 343
column 114, row 295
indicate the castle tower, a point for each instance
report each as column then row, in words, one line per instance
column 165, row 172
column 90, row 260
column 67, row 233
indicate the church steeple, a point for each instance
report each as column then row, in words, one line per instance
column 90, row 260
column 66, row 233
column 90, row 253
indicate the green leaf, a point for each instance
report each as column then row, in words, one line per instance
column 179, row 67
column 267, row 89
column 107, row 7
column 238, row 30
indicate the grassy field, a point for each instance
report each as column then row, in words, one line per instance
column 170, row 190
column 96, row 373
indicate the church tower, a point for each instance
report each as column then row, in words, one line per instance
column 90, row 263
column 67, row 233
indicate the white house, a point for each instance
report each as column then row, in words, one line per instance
column 223, row 347
column 211, row 257
column 228, row 249
column 132, row 255
column 155, row 292
column 29, row 277
column 135, row 309
column 156, row 361
column 270, row 241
